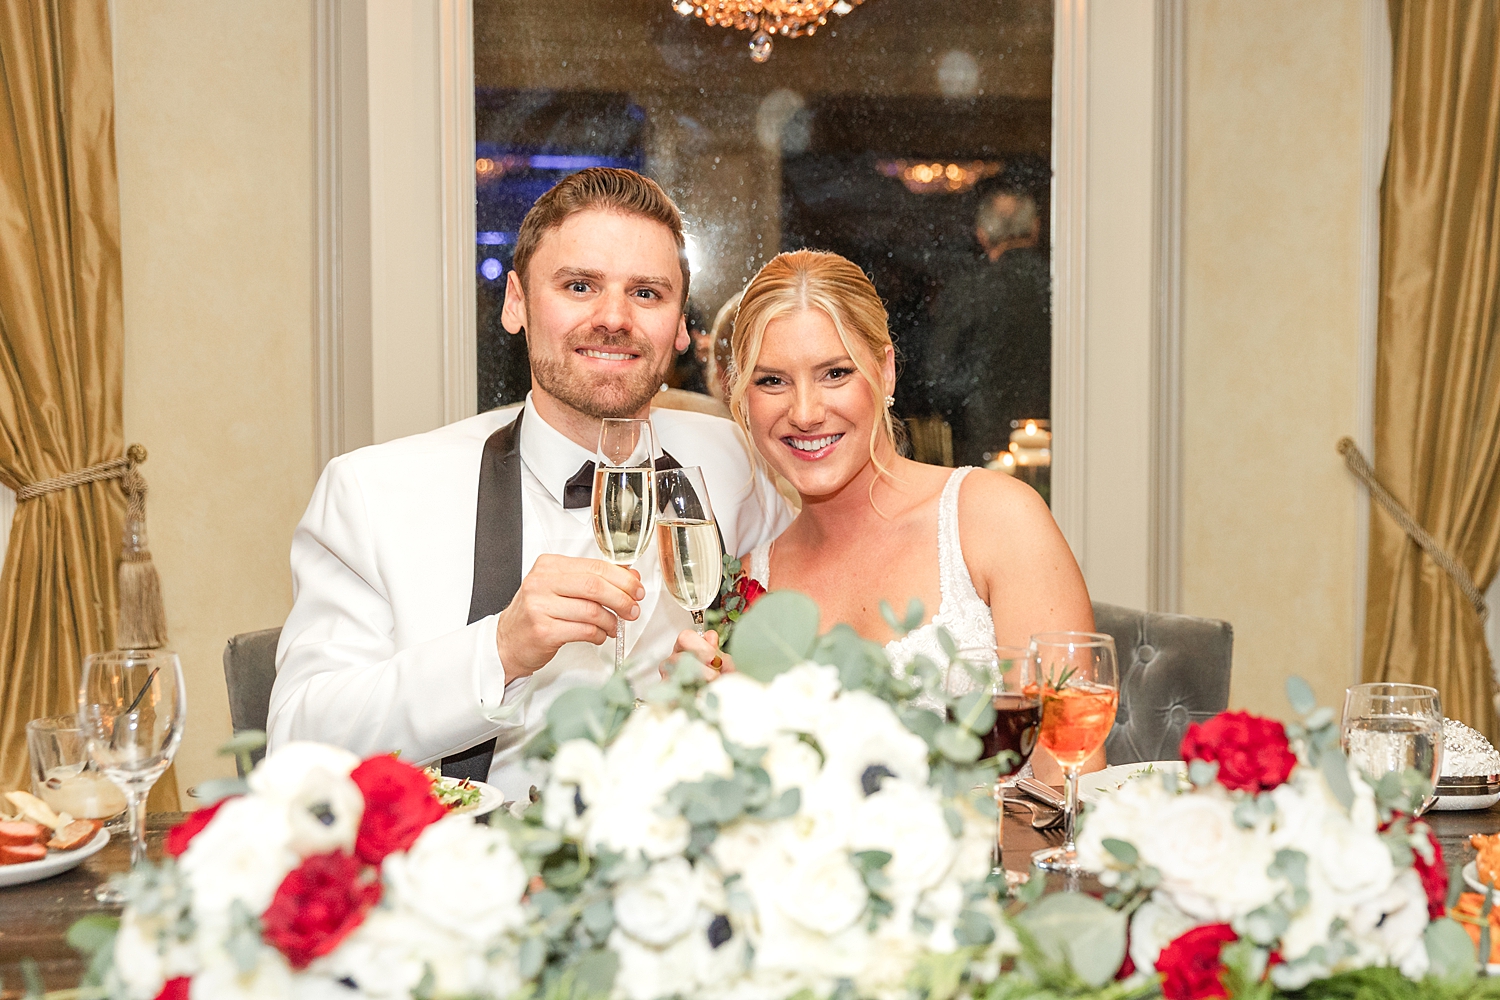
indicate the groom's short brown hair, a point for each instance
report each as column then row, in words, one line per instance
column 606, row 188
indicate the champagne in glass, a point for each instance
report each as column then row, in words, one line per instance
column 687, row 540
column 1395, row 728
column 131, row 707
column 1078, row 680
column 623, row 500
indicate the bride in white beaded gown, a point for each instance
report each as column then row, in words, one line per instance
column 814, row 368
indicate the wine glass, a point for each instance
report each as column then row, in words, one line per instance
column 131, row 707
column 1393, row 728
column 623, row 501
column 1078, row 679
column 1006, row 672
column 687, row 540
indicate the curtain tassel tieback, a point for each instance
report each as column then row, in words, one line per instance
column 1358, row 465
column 143, row 617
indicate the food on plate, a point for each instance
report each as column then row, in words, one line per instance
column 17, row 833
column 458, row 795
column 75, row 834
column 39, row 829
column 19, row 854
column 1488, row 861
column 1466, row 911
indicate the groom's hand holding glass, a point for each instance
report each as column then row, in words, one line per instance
column 564, row 599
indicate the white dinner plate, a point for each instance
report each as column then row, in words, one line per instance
column 1471, row 878
column 1099, row 783
column 55, row 863
column 490, row 798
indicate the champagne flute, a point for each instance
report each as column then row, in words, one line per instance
column 1078, row 680
column 1394, row 728
column 1006, row 672
column 131, row 706
column 623, row 498
column 687, row 540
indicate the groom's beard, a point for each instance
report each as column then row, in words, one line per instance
column 595, row 394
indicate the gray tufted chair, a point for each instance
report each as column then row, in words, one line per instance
column 1174, row 670
column 249, row 672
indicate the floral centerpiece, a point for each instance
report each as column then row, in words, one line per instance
column 1272, row 863
column 799, row 830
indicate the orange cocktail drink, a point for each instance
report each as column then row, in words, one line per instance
column 1075, row 721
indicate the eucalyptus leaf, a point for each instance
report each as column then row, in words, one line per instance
column 1450, row 951
column 1300, row 694
column 775, row 635
column 1202, row 772
column 1122, row 850
column 1336, row 772
column 889, row 614
column 244, row 741
column 976, row 711
column 1078, row 929
column 1320, row 718
column 616, row 691
column 595, row 971
column 784, row 805
column 1290, row 865
column 533, row 954
column 599, row 918
column 950, row 648
column 218, row 789
column 914, row 615
column 922, row 722
column 578, row 714
column 958, row 744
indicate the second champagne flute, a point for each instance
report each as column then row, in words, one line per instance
column 1078, row 680
column 624, row 498
column 687, row 539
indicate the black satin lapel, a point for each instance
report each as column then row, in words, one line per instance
column 497, row 561
column 497, row 524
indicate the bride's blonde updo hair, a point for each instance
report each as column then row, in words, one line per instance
column 798, row 281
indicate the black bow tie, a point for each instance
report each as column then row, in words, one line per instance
column 579, row 491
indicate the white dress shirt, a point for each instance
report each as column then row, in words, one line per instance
column 376, row 654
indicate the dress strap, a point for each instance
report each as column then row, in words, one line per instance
column 953, row 572
column 760, row 563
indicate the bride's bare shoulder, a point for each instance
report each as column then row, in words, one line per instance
column 995, row 505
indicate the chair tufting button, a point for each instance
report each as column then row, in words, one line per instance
column 1145, row 652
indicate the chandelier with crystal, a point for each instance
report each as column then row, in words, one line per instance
column 766, row 18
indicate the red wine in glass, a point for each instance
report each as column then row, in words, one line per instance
column 1017, row 719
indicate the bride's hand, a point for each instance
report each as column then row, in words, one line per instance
column 706, row 648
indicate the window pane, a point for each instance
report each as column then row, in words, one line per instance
column 892, row 136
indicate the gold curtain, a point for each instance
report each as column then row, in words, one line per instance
column 1437, row 396
column 61, row 342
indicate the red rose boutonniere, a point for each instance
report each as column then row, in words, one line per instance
column 737, row 591
column 1252, row 753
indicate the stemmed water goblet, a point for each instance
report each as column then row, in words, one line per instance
column 1078, row 680
column 623, row 498
column 687, row 540
column 1005, row 671
column 131, row 708
column 1391, row 728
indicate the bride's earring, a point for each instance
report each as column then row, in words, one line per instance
column 890, row 401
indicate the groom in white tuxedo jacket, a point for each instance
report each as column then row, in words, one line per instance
column 447, row 586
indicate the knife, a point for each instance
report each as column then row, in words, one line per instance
column 1042, row 793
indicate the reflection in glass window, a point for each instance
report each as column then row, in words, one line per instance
column 914, row 139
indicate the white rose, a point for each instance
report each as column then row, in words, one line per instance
column 221, row 979
column 862, row 739
column 747, row 714
column 1388, row 929
column 1211, row 868
column 791, row 763
column 658, row 907
column 577, row 781
column 1156, row 924
column 461, row 876
column 243, row 853
column 906, row 821
column 632, row 824
column 391, row 951
column 145, row 959
column 893, row 954
column 282, row 774
column 823, row 893
column 801, row 695
column 740, row 845
column 1129, row 813
column 658, row 749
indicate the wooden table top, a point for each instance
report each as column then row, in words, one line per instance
column 34, row 918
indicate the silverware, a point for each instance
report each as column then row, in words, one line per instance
column 1045, row 794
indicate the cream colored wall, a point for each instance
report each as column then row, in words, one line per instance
column 1271, row 317
column 214, row 135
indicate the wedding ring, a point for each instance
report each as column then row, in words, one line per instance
column 717, row 663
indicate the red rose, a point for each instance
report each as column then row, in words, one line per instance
column 1191, row 964
column 399, row 805
column 1252, row 753
column 749, row 591
column 183, row 833
column 1434, row 876
column 317, row 905
column 177, row 989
